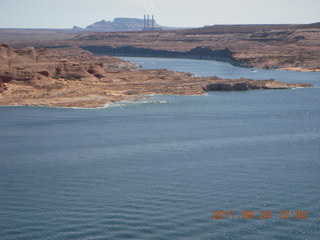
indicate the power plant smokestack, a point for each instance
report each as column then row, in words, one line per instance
column 152, row 23
column 149, row 23
column 149, row 19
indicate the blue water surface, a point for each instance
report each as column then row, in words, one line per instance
column 156, row 169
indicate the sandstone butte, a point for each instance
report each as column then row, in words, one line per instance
column 73, row 77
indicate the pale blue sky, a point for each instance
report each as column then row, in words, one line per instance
column 180, row 13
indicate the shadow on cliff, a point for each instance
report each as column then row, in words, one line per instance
column 197, row 53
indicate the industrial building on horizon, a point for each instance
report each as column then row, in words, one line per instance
column 149, row 24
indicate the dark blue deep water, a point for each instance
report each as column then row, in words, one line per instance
column 157, row 169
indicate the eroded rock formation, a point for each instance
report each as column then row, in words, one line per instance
column 243, row 84
column 2, row 86
column 72, row 77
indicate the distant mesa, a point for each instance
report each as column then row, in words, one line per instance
column 76, row 28
column 123, row 25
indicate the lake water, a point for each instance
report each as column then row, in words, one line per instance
column 157, row 170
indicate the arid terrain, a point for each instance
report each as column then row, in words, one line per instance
column 291, row 47
column 59, row 68
column 73, row 77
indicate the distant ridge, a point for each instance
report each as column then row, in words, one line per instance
column 119, row 25
column 247, row 28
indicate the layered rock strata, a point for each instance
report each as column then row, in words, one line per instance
column 73, row 77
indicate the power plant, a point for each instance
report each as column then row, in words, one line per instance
column 149, row 24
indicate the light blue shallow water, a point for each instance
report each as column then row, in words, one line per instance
column 158, row 170
column 224, row 70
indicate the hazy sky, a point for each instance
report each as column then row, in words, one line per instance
column 180, row 13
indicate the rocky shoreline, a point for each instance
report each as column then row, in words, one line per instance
column 73, row 77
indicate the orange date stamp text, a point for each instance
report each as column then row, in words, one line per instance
column 263, row 214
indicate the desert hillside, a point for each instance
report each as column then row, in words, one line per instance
column 73, row 77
